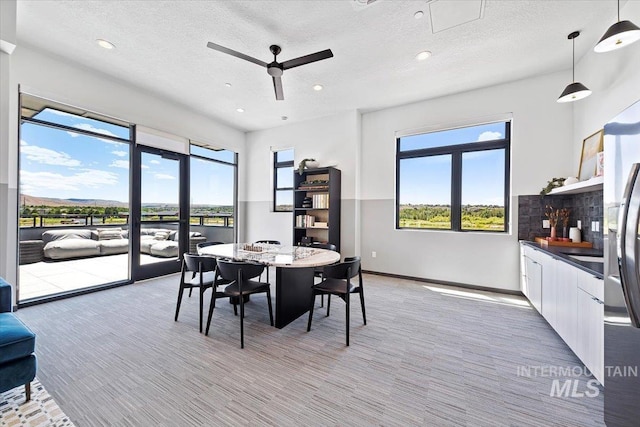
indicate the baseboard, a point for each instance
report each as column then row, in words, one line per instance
column 446, row 283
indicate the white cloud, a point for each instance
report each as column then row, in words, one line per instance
column 144, row 167
column 155, row 162
column 124, row 164
column 119, row 153
column 164, row 176
column 90, row 128
column 46, row 156
column 489, row 136
column 35, row 182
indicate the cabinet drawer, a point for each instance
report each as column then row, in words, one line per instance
column 591, row 284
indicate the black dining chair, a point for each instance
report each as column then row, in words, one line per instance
column 317, row 272
column 239, row 274
column 337, row 281
column 201, row 270
column 198, row 247
column 267, row 242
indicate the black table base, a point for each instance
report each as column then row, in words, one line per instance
column 293, row 294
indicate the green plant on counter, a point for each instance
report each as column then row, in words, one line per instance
column 303, row 163
column 554, row 183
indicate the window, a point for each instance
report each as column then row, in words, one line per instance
column 213, row 190
column 283, row 180
column 454, row 179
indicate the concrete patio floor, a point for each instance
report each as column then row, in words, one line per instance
column 51, row 277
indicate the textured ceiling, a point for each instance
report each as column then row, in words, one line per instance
column 161, row 47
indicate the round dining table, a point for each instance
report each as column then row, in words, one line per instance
column 294, row 272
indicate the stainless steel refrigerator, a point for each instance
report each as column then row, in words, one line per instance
column 622, row 273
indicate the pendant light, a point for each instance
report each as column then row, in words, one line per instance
column 620, row 34
column 575, row 90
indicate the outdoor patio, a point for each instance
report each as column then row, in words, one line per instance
column 52, row 277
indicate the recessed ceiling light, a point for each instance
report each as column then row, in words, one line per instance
column 419, row 14
column 423, row 55
column 105, row 44
column 227, row 84
column 317, row 87
column 240, row 110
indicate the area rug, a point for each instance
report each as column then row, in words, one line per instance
column 40, row 411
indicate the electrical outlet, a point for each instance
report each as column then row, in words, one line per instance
column 597, row 226
column 373, row 254
column 579, row 224
column 545, row 223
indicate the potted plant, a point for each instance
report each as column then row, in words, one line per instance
column 309, row 163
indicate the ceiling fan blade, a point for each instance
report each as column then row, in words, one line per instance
column 235, row 53
column 318, row 56
column 277, row 85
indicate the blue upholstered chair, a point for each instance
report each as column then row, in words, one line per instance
column 17, row 343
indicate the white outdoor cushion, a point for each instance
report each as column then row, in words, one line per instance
column 71, row 248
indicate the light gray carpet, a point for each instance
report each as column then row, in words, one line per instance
column 430, row 355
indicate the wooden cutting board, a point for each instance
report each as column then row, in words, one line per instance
column 546, row 242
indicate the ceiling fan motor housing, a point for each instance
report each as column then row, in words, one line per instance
column 274, row 69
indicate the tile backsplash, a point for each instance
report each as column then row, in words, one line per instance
column 586, row 207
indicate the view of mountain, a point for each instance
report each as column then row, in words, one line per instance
column 26, row 200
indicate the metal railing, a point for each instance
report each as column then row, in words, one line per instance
column 222, row 219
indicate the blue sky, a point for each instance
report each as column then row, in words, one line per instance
column 427, row 180
column 63, row 164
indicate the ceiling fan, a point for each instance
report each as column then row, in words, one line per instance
column 275, row 68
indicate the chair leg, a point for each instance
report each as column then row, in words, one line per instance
column 328, row 304
column 201, row 306
column 27, row 391
column 190, row 290
column 270, row 309
column 321, row 300
column 241, row 321
column 364, row 316
column 180, row 292
column 235, row 309
column 212, row 305
column 313, row 301
column 348, row 310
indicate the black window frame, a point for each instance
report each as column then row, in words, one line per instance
column 456, row 151
column 280, row 165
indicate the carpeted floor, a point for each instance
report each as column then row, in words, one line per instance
column 40, row 411
column 429, row 355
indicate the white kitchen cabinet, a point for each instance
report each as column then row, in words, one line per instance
column 549, row 289
column 571, row 300
column 531, row 272
column 566, row 281
column 590, row 309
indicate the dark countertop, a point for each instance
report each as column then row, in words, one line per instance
column 563, row 252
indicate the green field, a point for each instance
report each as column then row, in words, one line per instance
column 474, row 217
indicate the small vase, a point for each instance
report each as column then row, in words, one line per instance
column 553, row 233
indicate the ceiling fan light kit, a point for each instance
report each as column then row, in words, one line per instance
column 275, row 69
column 575, row 90
column 619, row 35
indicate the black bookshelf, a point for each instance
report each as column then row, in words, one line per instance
column 322, row 187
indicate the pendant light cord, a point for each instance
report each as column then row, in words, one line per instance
column 573, row 61
column 618, row 10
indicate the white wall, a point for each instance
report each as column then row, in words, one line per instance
column 84, row 88
column 332, row 140
column 541, row 144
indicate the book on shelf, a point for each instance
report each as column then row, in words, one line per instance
column 320, row 201
column 303, row 221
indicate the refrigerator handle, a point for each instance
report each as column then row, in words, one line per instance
column 628, row 245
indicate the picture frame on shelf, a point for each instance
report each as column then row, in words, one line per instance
column 591, row 146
